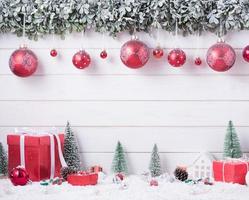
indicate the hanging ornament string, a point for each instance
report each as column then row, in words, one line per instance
column 24, row 30
column 176, row 33
column 82, row 38
column 103, row 53
column 197, row 59
column 53, row 51
column 220, row 32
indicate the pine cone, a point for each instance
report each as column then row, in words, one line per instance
column 65, row 171
column 181, row 174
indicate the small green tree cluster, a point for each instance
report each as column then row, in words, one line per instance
column 232, row 145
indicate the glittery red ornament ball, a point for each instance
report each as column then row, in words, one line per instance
column 19, row 176
column 198, row 61
column 246, row 53
column 103, row 54
column 153, row 182
column 23, row 62
column 177, row 57
column 134, row 54
column 221, row 57
column 158, row 52
column 81, row 59
column 53, row 53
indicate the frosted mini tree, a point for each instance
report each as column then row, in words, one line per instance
column 3, row 161
column 71, row 149
column 119, row 162
column 155, row 166
column 231, row 144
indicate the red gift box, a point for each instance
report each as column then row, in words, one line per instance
column 37, row 155
column 230, row 171
column 83, row 179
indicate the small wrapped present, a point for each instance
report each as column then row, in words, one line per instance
column 83, row 179
column 40, row 154
column 230, row 171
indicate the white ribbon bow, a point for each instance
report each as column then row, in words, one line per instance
column 25, row 131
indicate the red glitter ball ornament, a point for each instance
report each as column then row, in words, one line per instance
column 153, row 182
column 246, row 53
column 198, row 61
column 81, row 59
column 177, row 57
column 221, row 57
column 134, row 54
column 103, row 54
column 19, row 176
column 23, row 62
column 158, row 52
column 53, row 53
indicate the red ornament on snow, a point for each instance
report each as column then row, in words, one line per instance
column 177, row 57
column 53, row 53
column 134, row 54
column 81, row 59
column 19, row 176
column 246, row 53
column 221, row 57
column 198, row 61
column 103, row 54
column 158, row 52
column 23, row 62
column 153, row 182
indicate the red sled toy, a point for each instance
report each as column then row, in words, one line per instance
column 82, row 179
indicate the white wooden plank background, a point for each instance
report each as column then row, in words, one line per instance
column 183, row 110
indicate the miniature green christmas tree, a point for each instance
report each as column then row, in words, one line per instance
column 231, row 144
column 119, row 162
column 71, row 149
column 3, row 161
column 155, row 166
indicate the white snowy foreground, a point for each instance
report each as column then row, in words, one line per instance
column 136, row 189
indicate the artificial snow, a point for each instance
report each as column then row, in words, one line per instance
column 133, row 188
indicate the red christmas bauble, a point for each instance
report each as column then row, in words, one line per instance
column 177, row 57
column 198, row 61
column 19, row 176
column 120, row 176
column 103, row 54
column 134, row 54
column 153, row 182
column 23, row 62
column 158, row 52
column 221, row 57
column 53, row 53
column 246, row 53
column 81, row 59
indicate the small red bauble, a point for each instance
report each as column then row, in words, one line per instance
column 103, row 54
column 53, row 53
column 177, row 57
column 158, row 52
column 221, row 57
column 134, row 54
column 19, row 176
column 246, row 53
column 153, row 182
column 120, row 176
column 198, row 61
column 23, row 62
column 81, row 59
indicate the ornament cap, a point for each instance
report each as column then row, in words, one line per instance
column 134, row 37
column 23, row 46
column 220, row 40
